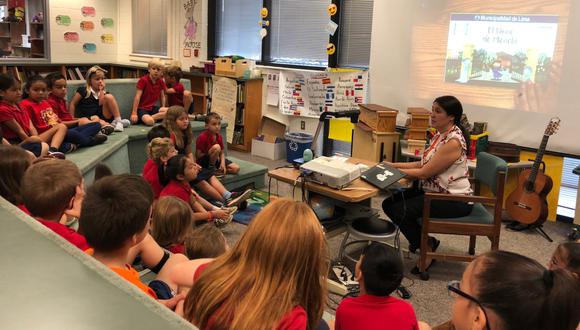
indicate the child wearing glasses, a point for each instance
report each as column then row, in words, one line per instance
column 379, row 272
column 504, row 290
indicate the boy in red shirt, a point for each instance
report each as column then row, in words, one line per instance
column 210, row 152
column 114, row 230
column 176, row 92
column 379, row 272
column 150, row 89
column 52, row 190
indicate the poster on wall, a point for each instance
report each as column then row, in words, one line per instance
column 224, row 97
column 309, row 94
column 190, row 38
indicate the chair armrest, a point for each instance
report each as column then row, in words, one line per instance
column 458, row 198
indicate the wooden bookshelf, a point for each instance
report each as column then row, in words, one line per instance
column 200, row 90
column 36, row 39
column 248, row 114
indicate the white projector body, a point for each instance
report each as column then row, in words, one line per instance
column 331, row 172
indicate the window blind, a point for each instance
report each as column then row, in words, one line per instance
column 237, row 28
column 355, row 36
column 149, row 20
column 298, row 34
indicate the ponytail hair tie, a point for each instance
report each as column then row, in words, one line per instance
column 548, row 278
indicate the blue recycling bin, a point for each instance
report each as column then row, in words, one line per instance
column 296, row 143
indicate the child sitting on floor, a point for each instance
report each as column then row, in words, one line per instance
column 16, row 123
column 56, row 84
column 50, row 189
column 113, row 229
column 150, row 89
column 94, row 102
column 205, row 242
column 379, row 272
column 567, row 256
column 179, row 172
column 176, row 92
column 171, row 223
column 44, row 117
column 178, row 124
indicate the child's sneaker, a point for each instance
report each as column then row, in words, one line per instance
column 230, row 210
column 118, row 125
column 236, row 198
column 126, row 122
column 98, row 139
column 107, row 129
column 67, row 147
column 222, row 222
column 56, row 154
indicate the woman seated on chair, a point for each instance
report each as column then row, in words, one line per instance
column 442, row 169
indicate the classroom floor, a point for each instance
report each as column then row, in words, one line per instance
column 430, row 299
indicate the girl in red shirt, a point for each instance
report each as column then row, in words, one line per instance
column 16, row 123
column 180, row 170
column 273, row 278
column 171, row 223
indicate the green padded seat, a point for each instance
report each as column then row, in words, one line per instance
column 113, row 152
column 479, row 215
column 250, row 173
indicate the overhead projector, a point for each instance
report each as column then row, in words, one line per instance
column 333, row 172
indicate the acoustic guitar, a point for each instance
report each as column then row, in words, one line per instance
column 527, row 204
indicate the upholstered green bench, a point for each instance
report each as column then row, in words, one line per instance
column 126, row 152
column 68, row 288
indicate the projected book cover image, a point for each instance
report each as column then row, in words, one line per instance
column 494, row 49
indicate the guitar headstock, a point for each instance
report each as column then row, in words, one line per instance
column 553, row 126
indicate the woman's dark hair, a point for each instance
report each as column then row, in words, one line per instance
column 175, row 166
column 382, row 269
column 453, row 107
column 13, row 164
column 51, row 78
column 524, row 294
column 29, row 82
column 7, row 81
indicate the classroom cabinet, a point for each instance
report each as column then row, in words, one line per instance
column 248, row 113
column 374, row 146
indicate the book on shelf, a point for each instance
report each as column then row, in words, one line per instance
column 71, row 74
column 79, row 74
column 240, row 114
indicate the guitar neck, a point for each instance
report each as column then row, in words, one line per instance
column 538, row 160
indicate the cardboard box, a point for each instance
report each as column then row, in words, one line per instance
column 378, row 117
column 225, row 67
column 270, row 143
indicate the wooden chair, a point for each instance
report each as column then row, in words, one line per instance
column 491, row 171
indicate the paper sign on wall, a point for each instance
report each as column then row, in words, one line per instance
column 224, row 98
column 309, row 94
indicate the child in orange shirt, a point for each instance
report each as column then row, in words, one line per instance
column 113, row 229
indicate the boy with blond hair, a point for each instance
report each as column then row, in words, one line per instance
column 52, row 189
column 150, row 90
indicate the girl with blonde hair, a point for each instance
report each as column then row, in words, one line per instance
column 94, row 102
column 172, row 223
column 273, row 278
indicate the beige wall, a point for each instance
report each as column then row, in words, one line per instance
column 62, row 51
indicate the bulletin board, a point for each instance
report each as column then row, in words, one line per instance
column 309, row 94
